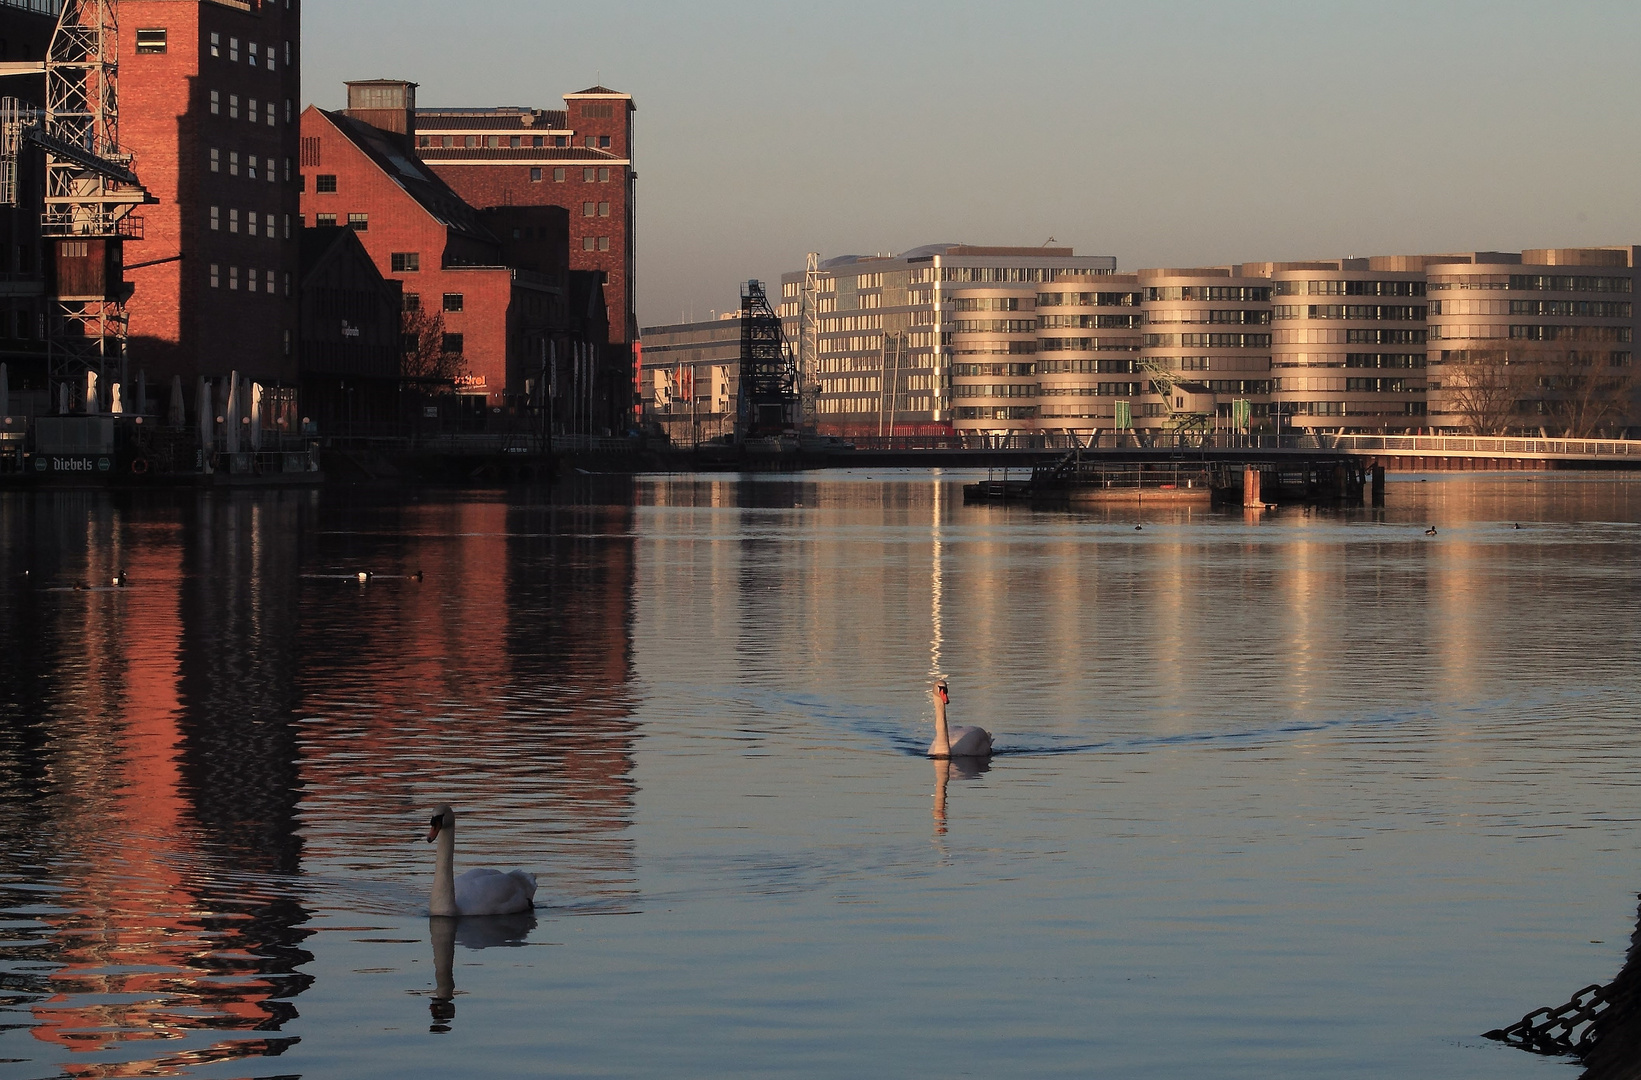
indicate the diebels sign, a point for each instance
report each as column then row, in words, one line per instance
column 73, row 464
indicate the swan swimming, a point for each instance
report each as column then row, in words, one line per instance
column 477, row 892
column 957, row 741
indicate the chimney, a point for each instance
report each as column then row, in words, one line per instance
column 387, row 105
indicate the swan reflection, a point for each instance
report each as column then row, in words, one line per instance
column 964, row 768
column 473, row 932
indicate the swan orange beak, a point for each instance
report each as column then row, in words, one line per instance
column 945, row 698
column 433, row 830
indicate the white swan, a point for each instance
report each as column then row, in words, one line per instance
column 957, row 741
column 477, row 892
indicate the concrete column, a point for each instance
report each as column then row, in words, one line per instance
column 1250, row 486
column 1378, row 485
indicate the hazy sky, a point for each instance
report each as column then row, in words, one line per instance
column 1166, row 135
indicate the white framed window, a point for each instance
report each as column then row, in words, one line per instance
column 233, row 106
column 233, row 163
column 215, row 280
column 233, row 277
column 233, row 49
column 216, row 43
column 216, row 219
column 216, row 102
column 216, row 160
column 233, row 219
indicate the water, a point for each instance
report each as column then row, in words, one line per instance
column 1299, row 795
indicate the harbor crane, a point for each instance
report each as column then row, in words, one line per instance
column 1172, row 389
column 91, row 190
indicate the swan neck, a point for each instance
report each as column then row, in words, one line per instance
column 443, row 901
column 942, row 736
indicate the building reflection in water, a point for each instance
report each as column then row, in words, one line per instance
column 177, row 754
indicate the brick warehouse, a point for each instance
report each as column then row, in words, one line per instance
column 579, row 157
column 208, row 99
column 496, row 280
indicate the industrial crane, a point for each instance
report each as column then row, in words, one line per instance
column 1163, row 384
column 90, row 190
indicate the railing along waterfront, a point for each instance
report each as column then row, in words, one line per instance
column 1393, row 445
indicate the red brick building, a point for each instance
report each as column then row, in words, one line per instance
column 359, row 170
column 578, row 158
column 209, row 91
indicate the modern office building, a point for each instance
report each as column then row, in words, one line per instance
column 1537, row 341
column 1089, row 331
column 1208, row 329
column 938, row 339
column 691, row 378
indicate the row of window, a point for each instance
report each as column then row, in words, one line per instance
column 453, row 301
column 255, row 167
column 995, row 370
column 591, row 209
column 1089, row 299
column 992, row 326
column 1083, row 344
column 1007, row 412
column 1349, row 288
column 1211, row 316
column 1088, row 322
column 359, row 222
column 986, row 303
column 1087, row 367
column 994, row 390
column 1248, row 294
column 514, row 142
column 251, row 279
column 1532, row 282
column 1360, row 312
column 252, row 50
column 252, row 112
column 255, row 224
column 1208, row 341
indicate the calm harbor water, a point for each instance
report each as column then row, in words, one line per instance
column 1292, row 795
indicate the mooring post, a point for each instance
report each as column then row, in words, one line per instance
column 1250, row 486
column 1378, row 485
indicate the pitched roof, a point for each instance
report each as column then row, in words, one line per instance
column 422, row 184
column 598, row 90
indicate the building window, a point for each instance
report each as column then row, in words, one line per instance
column 287, row 273
column 588, row 175
column 287, row 46
column 561, row 140
column 268, row 226
column 589, row 209
column 452, row 343
column 412, row 301
column 287, row 170
column 603, row 209
column 233, row 163
column 250, row 280
column 233, row 220
column 270, row 55
column 270, row 164
column 453, row 301
column 558, row 176
column 270, row 282
column 233, row 277
column 325, row 183
column 251, row 53
column 216, row 160
column 151, row 41
column 471, row 141
column 250, row 222
column 250, row 166
column 250, row 109
column 216, row 43
column 215, row 269
column 535, row 176
column 310, row 147
column 233, row 49
column 536, row 140
column 359, row 222
column 588, row 243
column 216, row 102
column 603, row 243
column 448, row 141
column 407, row 262
column 233, row 106
column 287, row 110
column 321, row 220
column 216, row 219
column 492, row 142
column 603, row 176
column 270, row 113
column 287, row 343
column 287, row 226
column 603, row 142
column 591, row 142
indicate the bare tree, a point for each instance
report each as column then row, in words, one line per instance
column 1585, row 392
column 1486, row 387
column 425, row 352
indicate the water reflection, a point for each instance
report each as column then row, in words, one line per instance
column 179, row 755
column 964, row 768
column 476, row 933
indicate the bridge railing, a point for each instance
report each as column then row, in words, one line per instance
column 1485, row 446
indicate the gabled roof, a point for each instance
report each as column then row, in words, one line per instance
column 422, row 184
column 601, row 91
column 322, row 244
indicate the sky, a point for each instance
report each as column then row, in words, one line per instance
column 1184, row 134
